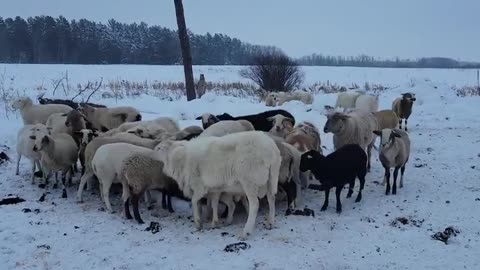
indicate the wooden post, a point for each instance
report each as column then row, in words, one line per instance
column 186, row 54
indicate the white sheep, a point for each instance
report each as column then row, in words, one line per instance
column 166, row 123
column 305, row 97
column 92, row 147
column 37, row 113
column 104, row 119
column 353, row 128
column 346, row 100
column 107, row 166
column 58, row 154
column 26, row 142
column 244, row 163
column 271, row 99
column 227, row 127
column 367, row 103
column 394, row 152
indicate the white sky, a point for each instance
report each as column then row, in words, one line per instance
column 381, row 28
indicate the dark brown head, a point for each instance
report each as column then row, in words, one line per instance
column 410, row 97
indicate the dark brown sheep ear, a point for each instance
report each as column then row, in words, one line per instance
column 377, row 132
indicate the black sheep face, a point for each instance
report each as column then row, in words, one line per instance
column 307, row 161
column 225, row 116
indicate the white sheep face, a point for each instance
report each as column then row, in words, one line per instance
column 387, row 137
column 335, row 122
column 281, row 125
column 19, row 103
column 87, row 136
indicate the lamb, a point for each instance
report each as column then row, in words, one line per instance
column 394, row 152
column 26, row 142
column 37, row 114
column 245, row 163
column 259, row 121
column 107, row 166
column 201, row 86
column 104, row 119
column 70, row 103
column 347, row 100
column 367, row 103
column 353, row 128
column 226, row 127
column 305, row 97
column 402, row 106
column 166, row 123
column 337, row 169
column 141, row 171
column 386, row 119
column 305, row 136
column 58, row 154
column 92, row 147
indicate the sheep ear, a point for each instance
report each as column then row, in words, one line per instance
column 377, row 132
column 198, row 118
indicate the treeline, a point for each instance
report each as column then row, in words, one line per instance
column 369, row 61
column 44, row 39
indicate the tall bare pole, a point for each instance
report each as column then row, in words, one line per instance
column 186, row 54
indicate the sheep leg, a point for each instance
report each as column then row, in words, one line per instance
column 325, row 203
column 136, row 213
column 338, row 191
column 43, row 183
column 81, row 187
column 271, row 208
column 106, row 196
column 169, row 203
column 252, row 215
column 362, row 185
column 406, row 129
column 369, row 155
column 395, row 174
column 164, row 200
column 126, row 206
column 400, row 123
column 64, row 190
column 290, row 188
column 231, row 205
column 401, row 175
column 387, row 179
column 33, row 170
column 17, row 171
column 351, row 186
column 56, row 181
column 196, row 210
column 215, row 197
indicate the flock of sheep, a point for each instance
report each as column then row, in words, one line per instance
column 229, row 159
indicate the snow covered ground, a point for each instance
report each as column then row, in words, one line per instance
column 441, row 189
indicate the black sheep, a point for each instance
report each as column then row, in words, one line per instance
column 72, row 104
column 336, row 170
column 259, row 120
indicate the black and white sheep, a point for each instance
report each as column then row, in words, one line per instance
column 336, row 170
column 402, row 106
column 394, row 152
column 259, row 121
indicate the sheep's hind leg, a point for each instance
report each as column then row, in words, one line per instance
column 106, row 196
column 252, row 215
column 338, row 191
column 33, row 171
column 395, row 174
column 56, row 181
column 271, row 210
column 402, row 170
column 17, row 171
column 197, row 219
column 351, row 186
column 215, row 197
column 136, row 213
column 387, row 178
column 126, row 206
column 325, row 203
column 169, row 204
column 64, row 190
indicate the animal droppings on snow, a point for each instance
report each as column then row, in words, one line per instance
column 299, row 212
column 154, row 227
column 12, row 200
column 236, row 247
column 404, row 221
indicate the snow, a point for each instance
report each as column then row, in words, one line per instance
column 441, row 188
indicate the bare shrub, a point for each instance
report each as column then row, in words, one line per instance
column 274, row 71
column 467, row 91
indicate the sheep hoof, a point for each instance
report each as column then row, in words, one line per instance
column 324, row 208
column 339, row 211
column 170, row 210
column 41, row 185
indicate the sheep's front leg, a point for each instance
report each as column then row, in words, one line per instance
column 401, row 175
column 351, row 186
column 33, row 171
column 83, row 181
column 17, row 171
column 387, row 179
column 252, row 215
column 126, row 206
column 395, row 175
column 43, row 183
column 106, row 196
column 56, row 181
column 231, row 205
column 215, row 197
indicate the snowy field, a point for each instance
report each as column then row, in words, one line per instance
column 441, row 189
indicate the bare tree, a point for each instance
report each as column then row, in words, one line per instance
column 186, row 54
column 274, row 71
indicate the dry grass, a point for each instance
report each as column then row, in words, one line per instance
column 467, row 91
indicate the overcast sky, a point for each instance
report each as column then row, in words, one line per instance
column 381, row 28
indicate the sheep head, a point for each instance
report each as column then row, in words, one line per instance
column 335, row 122
column 225, row 116
column 387, row 136
column 208, row 119
column 21, row 103
column 309, row 160
column 281, row 125
column 87, row 135
column 410, row 97
column 41, row 142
